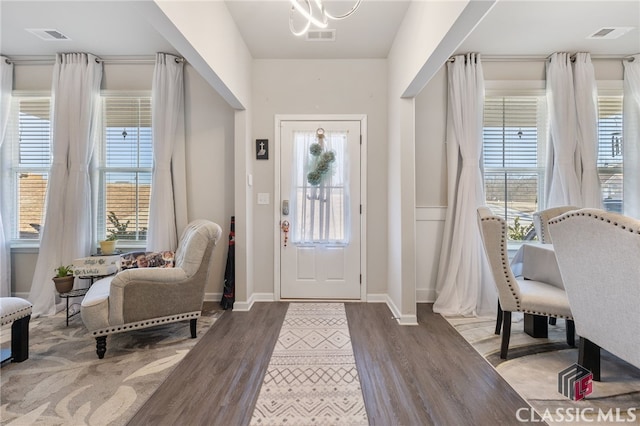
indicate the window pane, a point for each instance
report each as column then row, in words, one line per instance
column 127, row 204
column 126, row 163
column 320, row 199
column 512, row 158
column 31, row 161
column 32, row 190
column 610, row 153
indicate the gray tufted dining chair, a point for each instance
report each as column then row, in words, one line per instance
column 518, row 295
column 541, row 221
column 598, row 254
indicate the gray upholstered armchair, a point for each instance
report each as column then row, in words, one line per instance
column 598, row 255
column 536, row 299
column 141, row 298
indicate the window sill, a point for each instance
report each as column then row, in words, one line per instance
column 22, row 246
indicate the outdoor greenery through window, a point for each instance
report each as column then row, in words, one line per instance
column 125, row 167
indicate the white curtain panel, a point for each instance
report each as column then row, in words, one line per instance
column 464, row 285
column 67, row 230
column 586, row 95
column 167, row 109
column 6, row 85
column 561, row 181
column 631, row 136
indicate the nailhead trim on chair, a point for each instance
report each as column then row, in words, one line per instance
column 594, row 215
column 15, row 315
column 504, row 255
column 145, row 323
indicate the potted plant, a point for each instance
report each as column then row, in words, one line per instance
column 64, row 278
column 108, row 246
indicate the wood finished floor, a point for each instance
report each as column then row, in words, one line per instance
column 410, row 375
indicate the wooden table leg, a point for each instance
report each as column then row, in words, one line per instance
column 536, row 325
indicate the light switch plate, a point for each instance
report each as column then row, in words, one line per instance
column 263, row 198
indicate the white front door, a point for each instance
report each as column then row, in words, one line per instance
column 320, row 209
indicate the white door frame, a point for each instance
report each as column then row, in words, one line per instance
column 362, row 118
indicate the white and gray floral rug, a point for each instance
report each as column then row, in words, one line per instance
column 64, row 383
column 312, row 377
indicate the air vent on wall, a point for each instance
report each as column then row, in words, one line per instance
column 321, row 35
column 48, row 34
column 609, row 33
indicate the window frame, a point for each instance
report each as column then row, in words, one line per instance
column 101, row 169
column 522, row 88
column 11, row 157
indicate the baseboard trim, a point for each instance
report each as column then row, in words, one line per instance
column 242, row 306
column 401, row 319
column 425, row 295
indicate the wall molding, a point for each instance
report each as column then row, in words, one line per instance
column 437, row 213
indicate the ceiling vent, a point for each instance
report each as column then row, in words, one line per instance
column 609, row 33
column 321, row 35
column 48, row 35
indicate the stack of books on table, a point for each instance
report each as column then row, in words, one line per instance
column 96, row 266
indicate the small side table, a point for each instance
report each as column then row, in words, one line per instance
column 73, row 293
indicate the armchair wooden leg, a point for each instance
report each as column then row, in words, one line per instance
column 506, row 334
column 101, row 346
column 571, row 333
column 589, row 357
column 499, row 319
column 192, row 324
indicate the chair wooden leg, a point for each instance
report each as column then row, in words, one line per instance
column 192, row 325
column 101, row 346
column 571, row 333
column 589, row 357
column 506, row 334
column 499, row 319
column 20, row 339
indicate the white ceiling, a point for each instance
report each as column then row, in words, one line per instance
column 512, row 27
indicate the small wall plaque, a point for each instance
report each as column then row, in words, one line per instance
column 262, row 149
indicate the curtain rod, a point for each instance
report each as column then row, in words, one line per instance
column 51, row 61
column 541, row 58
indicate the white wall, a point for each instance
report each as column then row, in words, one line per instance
column 321, row 87
column 430, row 159
column 209, row 154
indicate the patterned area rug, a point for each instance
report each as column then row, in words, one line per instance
column 64, row 383
column 312, row 377
column 532, row 370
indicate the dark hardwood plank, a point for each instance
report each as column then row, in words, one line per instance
column 426, row 374
column 218, row 381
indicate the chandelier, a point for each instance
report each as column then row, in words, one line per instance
column 315, row 13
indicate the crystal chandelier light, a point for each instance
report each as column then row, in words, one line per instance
column 315, row 13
